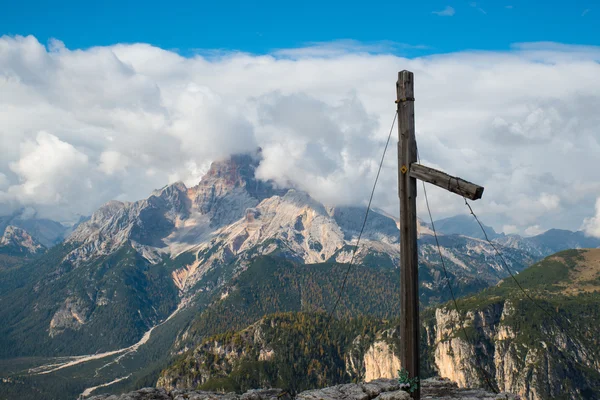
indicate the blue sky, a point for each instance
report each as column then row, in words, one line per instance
column 262, row 26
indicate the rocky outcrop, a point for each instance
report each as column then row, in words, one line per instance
column 273, row 338
column 17, row 241
column 498, row 353
column 380, row 389
column 45, row 231
column 381, row 361
column 162, row 394
column 378, row 359
column 231, row 185
column 72, row 315
column 310, row 234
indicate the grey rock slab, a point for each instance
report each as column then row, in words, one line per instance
column 142, row 394
column 396, row 395
column 380, row 389
column 338, row 392
column 374, row 388
column 444, row 389
column 201, row 395
column 266, row 394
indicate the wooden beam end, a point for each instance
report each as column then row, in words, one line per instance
column 478, row 193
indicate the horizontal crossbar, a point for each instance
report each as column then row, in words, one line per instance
column 451, row 183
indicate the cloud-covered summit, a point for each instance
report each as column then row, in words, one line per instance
column 80, row 127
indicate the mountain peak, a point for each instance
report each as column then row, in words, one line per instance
column 17, row 240
column 465, row 225
column 174, row 216
column 237, row 169
column 234, row 176
column 178, row 186
column 44, row 231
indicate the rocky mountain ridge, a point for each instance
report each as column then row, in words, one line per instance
column 230, row 215
column 45, row 231
column 175, row 218
column 18, row 241
column 539, row 246
column 17, row 247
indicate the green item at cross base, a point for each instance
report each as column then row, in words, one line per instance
column 413, row 383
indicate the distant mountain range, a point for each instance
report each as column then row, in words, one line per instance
column 139, row 282
column 44, row 231
column 464, row 225
column 541, row 245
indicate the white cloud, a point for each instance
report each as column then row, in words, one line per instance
column 446, row 12
column 112, row 162
column 510, row 229
column 141, row 117
column 534, row 230
column 549, row 201
column 48, row 170
column 318, row 146
column 591, row 226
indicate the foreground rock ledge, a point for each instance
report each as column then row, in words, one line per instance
column 380, row 389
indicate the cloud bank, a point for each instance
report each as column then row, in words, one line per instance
column 81, row 127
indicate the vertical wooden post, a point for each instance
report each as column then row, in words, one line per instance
column 407, row 191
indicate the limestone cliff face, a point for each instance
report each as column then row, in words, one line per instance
column 374, row 358
column 453, row 354
column 381, row 362
column 536, row 370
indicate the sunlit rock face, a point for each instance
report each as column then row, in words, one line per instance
column 73, row 314
column 175, row 218
column 499, row 354
column 381, row 362
column 18, row 241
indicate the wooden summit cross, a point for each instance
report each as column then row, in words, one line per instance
column 408, row 173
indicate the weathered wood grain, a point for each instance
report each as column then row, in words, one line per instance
column 407, row 190
column 445, row 181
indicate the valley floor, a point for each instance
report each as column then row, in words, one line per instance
column 95, row 362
